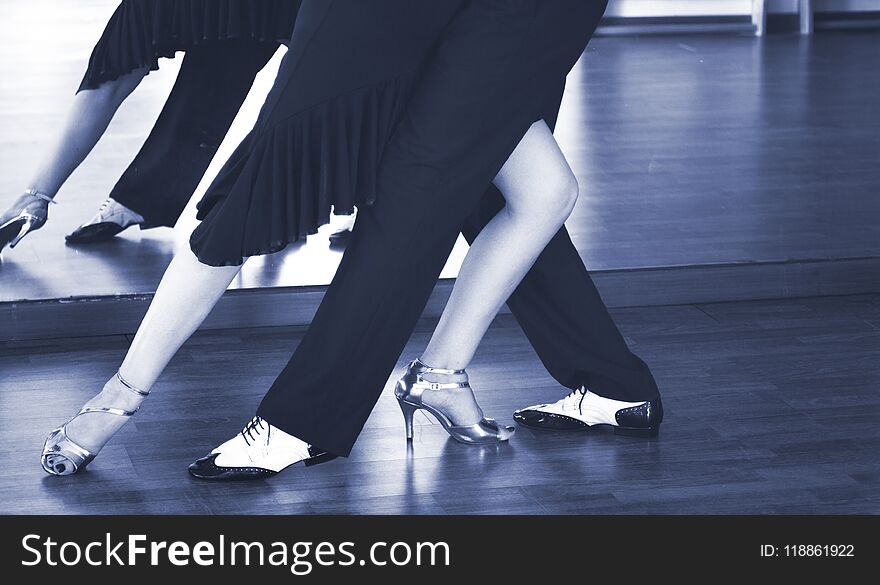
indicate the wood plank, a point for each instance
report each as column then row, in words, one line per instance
column 771, row 408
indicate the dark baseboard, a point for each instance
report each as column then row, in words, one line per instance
column 672, row 25
column 783, row 23
column 846, row 20
column 696, row 20
column 670, row 285
column 776, row 23
column 790, row 23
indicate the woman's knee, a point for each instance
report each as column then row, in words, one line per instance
column 566, row 196
column 552, row 200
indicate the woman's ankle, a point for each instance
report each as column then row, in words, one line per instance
column 42, row 189
column 117, row 393
column 451, row 373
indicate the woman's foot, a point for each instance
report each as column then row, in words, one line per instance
column 448, row 396
column 112, row 218
column 459, row 405
column 93, row 430
column 72, row 446
column 29, row 213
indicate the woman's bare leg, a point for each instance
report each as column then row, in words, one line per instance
column 86, row 122
column 540, row 191
column 185, row 297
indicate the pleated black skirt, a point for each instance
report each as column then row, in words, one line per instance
column 141, row 32
column 340, row 93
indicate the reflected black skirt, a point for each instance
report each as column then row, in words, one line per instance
column 141, row 32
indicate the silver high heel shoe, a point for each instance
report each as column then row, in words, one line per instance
column 409, row 392
column 14, row 225
column 61, row 455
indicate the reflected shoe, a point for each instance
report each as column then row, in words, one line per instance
column 409, row 392
column 28, row 214
column 112, row 218
column 340, row 238
column 63, row 456
column 259, row 451
column 583, row 409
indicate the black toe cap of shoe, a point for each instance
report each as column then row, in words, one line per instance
column 207, row 468
column 647, row 415
column 547, row 421
column 98, row 232
column 340, row 237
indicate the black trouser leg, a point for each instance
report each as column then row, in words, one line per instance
column 566, row 321
column 475, row 101
column 563, row 315
column 210, row 88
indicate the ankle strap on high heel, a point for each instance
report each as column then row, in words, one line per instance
column 129, row 387
column 410, row 387
column 418, row 368
column 39, row 195
column 426, row 369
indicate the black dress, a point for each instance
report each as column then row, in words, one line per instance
column 340, row 93
column 141, row 32
column 226, row 43
column 346, row 98
column 498, row 66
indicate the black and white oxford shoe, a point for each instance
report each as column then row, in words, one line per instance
column 583, row 409
column 112, row 218
column 259, row 451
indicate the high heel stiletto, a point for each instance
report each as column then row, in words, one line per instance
column 412, row 385
column 16, row 225
column 62, row 456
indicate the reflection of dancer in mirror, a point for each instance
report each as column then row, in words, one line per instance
column 462, row 95
column 339, row 238
column 226, row 42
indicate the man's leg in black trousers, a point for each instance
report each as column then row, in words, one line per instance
column 566, row 321
column 462, row 124
column 210, row 88
column 563, row 315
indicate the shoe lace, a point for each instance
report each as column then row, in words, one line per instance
column 252, row 430
column 106, row 206
column 575, row 396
